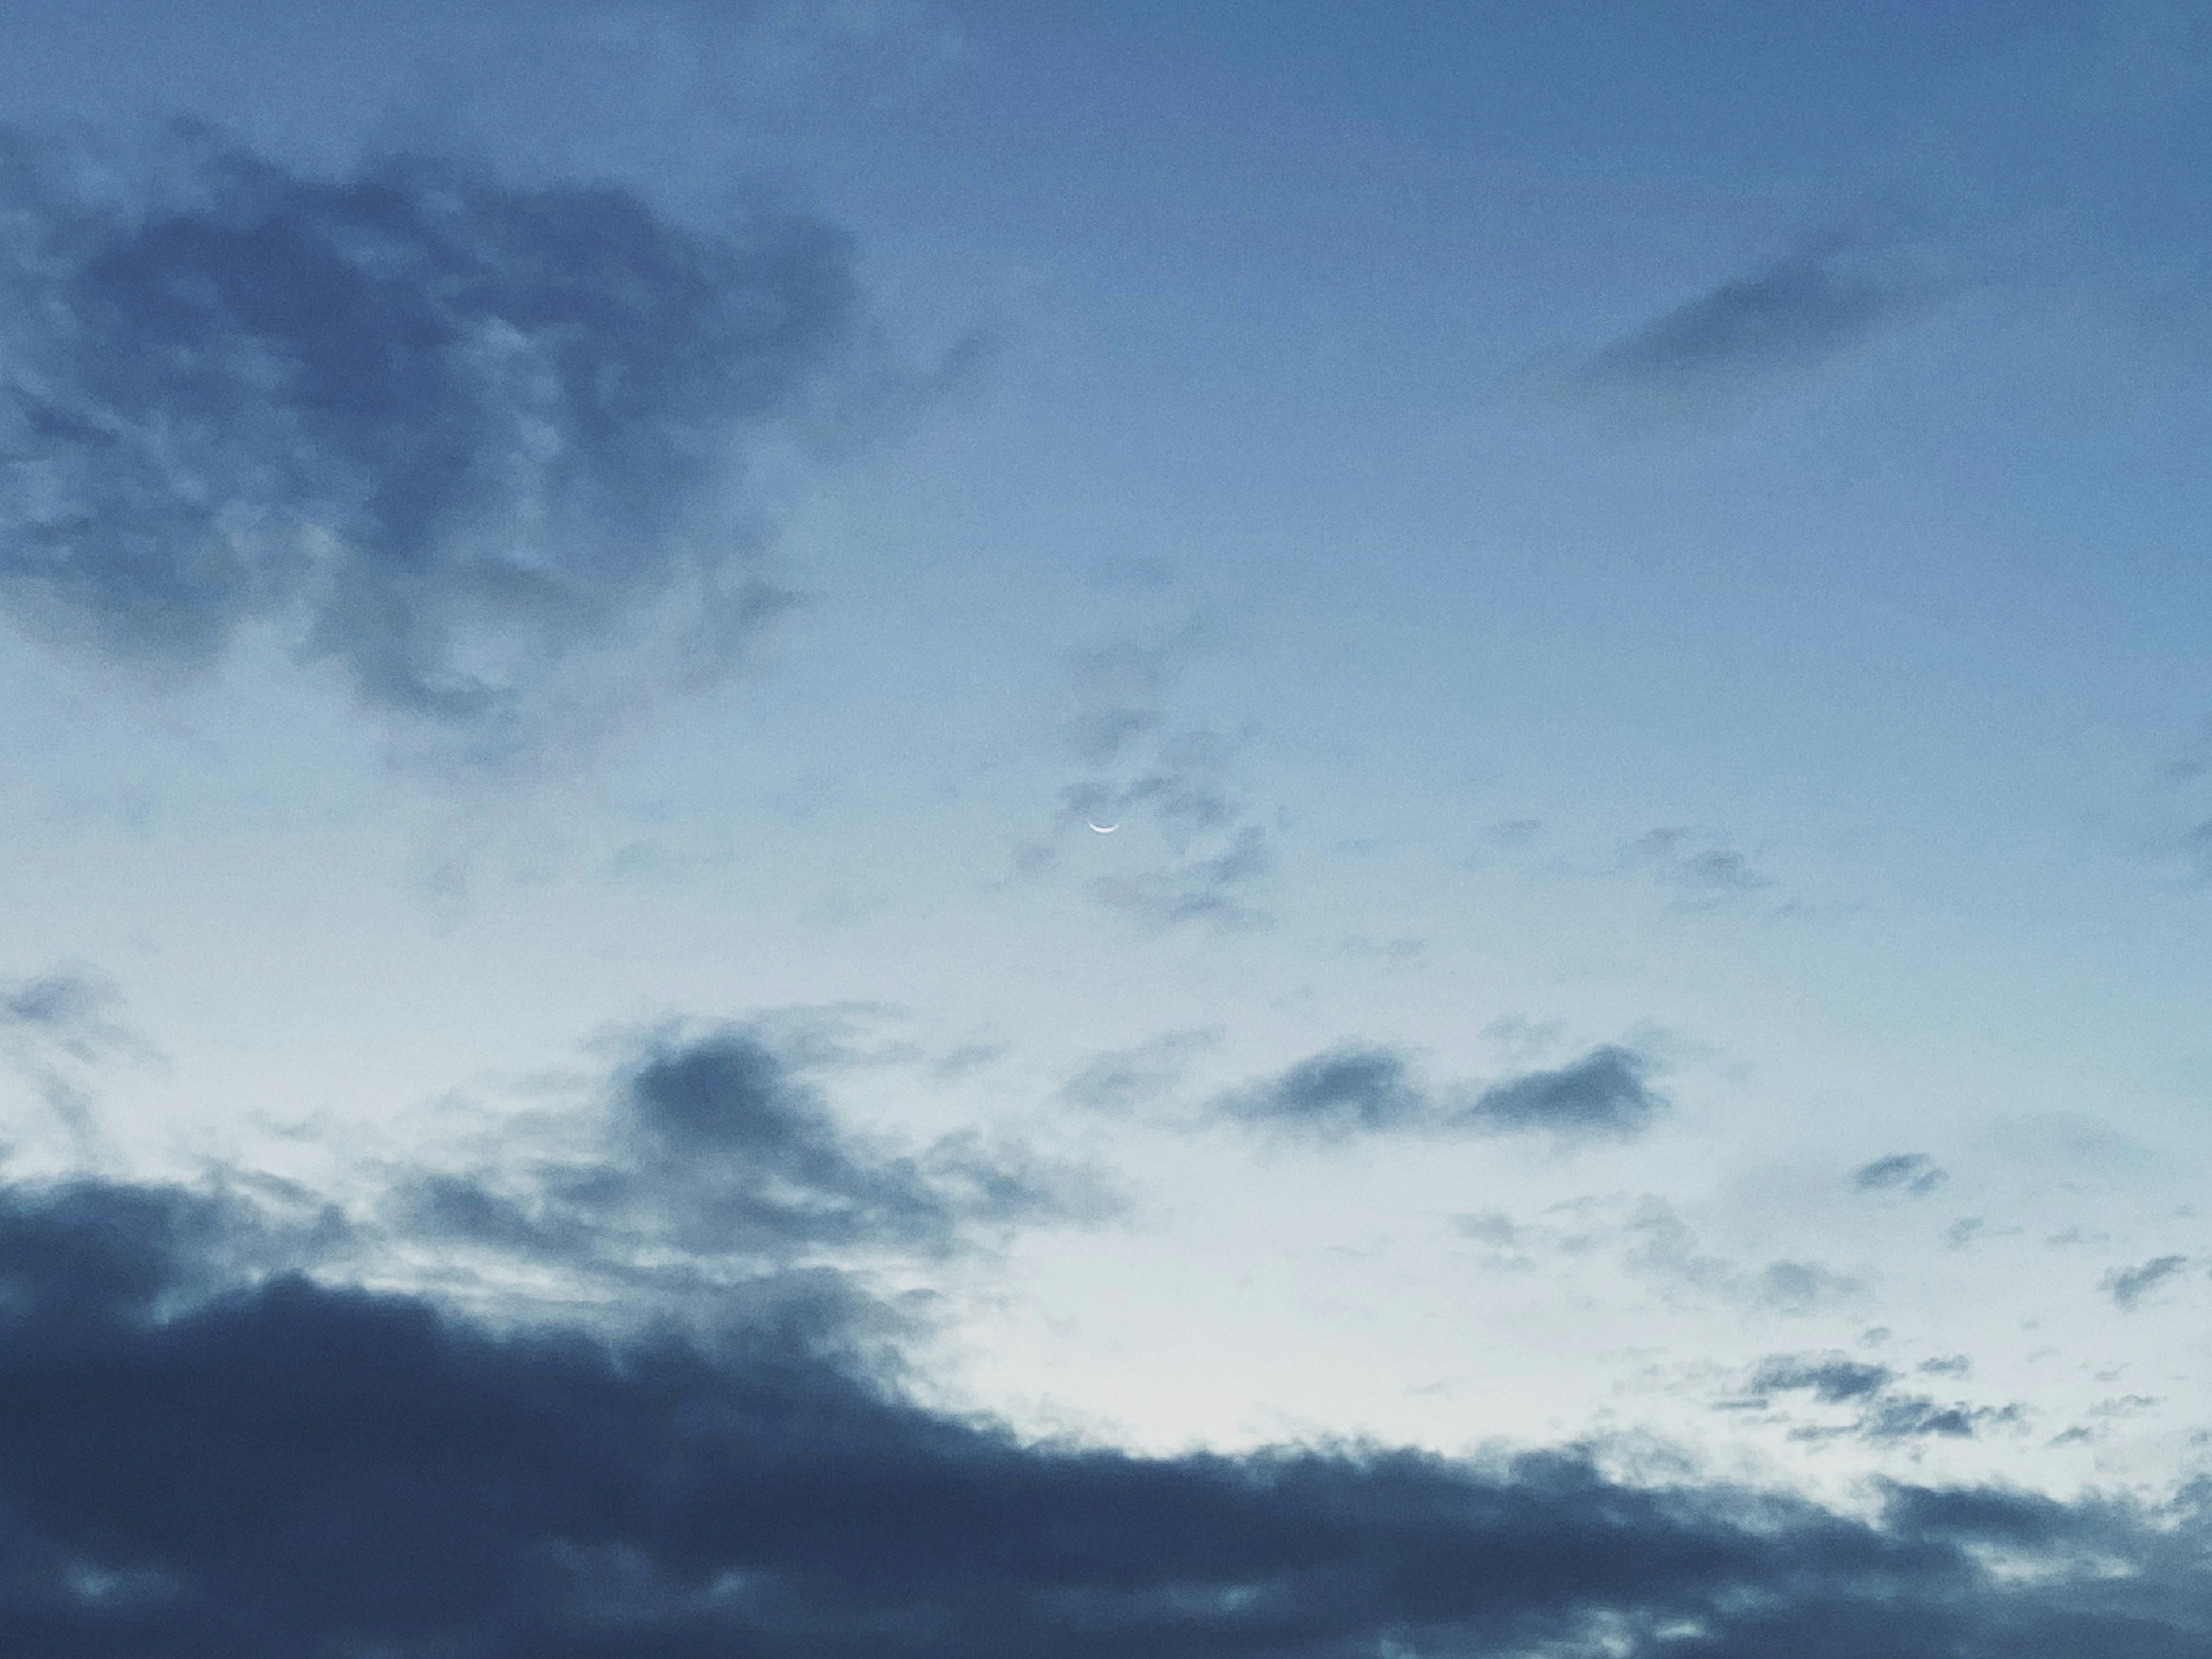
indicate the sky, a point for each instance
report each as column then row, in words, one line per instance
column 926, row 827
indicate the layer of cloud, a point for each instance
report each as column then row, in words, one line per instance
column 1366, row 1090
column 197, row 1461
column 477, row 446
column 1794, row 314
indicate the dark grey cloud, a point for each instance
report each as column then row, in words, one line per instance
column 1348, row 1091
column 1797, row 313
column 1883, row 1412
column 1364, row 1089
column 194, row 1464
column 1604, row 1094
column 714, row 1155
column 474, row 445
column 2128, row 1286
column 1905, row 1172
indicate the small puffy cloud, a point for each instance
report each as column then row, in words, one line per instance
column 1604, row 1094
column 2127, row 1287
column 1344, row 1092
column 1365, row 1089
column 1914, row 1173
column 479, row 447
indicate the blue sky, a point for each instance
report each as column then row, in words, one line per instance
column 1629, row 576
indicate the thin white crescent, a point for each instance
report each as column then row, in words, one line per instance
column 1104, row 828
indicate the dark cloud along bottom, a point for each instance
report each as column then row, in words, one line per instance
column 194, row 1463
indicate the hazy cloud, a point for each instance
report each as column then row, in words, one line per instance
column 1906, row 1172
column 1176, row 784
column 1664, row 1246
column 1704, row 874
column 194, row 1463
column 2128, row 1286
column 1369, row 1090
column 1794, row 314
column 1124, row 1078
column 474, row 444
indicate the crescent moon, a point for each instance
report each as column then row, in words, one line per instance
column 1104, row 828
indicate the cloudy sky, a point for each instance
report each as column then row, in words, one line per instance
column 1628, row 575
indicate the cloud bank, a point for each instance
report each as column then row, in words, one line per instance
column 196, row 1460
column 476, row 445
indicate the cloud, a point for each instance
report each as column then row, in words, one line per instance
column 57, row 1029
column 1908, row 1172
column 2128, row 1286
column 1796, row 314
column 1665, row 1247
column 1883, row 1414
column 78, row 1011
column 1706, row 875
column 1369, row 1090
column 1124, row 1078
column 1603, row 1094
column 476, row 445
column 1176, row 783
column 1344, row 1092
column 192, row 1464
column 713, row 1157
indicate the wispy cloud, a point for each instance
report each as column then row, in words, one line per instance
column 1175, row 783
column 1802, row 310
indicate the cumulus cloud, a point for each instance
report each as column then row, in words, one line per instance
column 477, row 446
column 2128, row 1286
column 1368, row 1090
column 1915, row 1173
column 1794, row 314
column 196, row 1462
